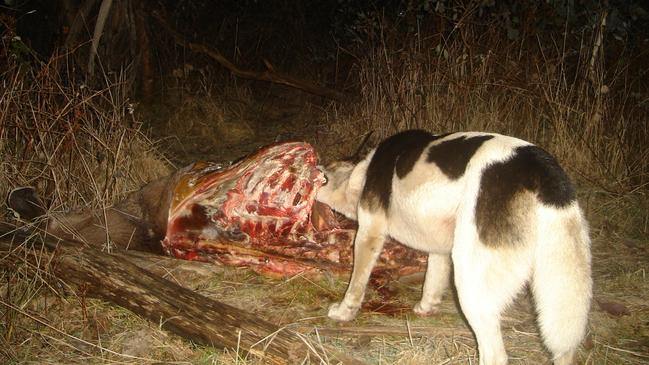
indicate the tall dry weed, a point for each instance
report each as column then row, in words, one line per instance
column 562, row 99
column 79, row 147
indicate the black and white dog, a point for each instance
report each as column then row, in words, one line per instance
column 500, row 209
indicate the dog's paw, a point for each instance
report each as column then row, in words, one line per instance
column 425, row 310
column 342, row 312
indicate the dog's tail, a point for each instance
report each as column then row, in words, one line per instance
column 561, row 280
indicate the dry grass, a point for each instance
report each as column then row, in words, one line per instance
column 83, row 148
column 196, row 117
column 555, row 99
column 79, row 147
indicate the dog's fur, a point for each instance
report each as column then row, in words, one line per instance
column 500, row 209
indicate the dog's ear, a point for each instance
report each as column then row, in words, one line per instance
column 361, row 150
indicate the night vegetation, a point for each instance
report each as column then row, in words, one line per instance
column 174, row 82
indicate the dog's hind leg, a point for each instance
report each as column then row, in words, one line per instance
column 437, row 280
column 561, row 281
column 367, row 247
column 487, row 280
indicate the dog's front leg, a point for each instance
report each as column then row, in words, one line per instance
column 367, row 247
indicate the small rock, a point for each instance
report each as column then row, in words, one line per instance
column 588, row 342
column 613, row 308
column 362, row 342
column 138, row 344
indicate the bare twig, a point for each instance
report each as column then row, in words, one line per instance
column 407, row 331
column 269, row 74
column 104, row 9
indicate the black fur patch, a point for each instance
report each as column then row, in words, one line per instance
column 500, row 212
column 453, row 155
column 398, row 153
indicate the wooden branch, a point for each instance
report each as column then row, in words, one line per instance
column 114, row 277
column 400, row 331
column 269, row 75
column 104, row 9
column 189, row 274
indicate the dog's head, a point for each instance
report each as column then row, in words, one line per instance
column 342, row 191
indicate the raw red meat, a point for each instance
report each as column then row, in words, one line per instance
column 261, row 212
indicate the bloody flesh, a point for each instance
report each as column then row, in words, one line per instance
column 261, row 212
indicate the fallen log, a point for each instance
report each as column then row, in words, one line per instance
column 115, row 278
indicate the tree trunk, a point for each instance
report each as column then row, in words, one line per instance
column 115, row 278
